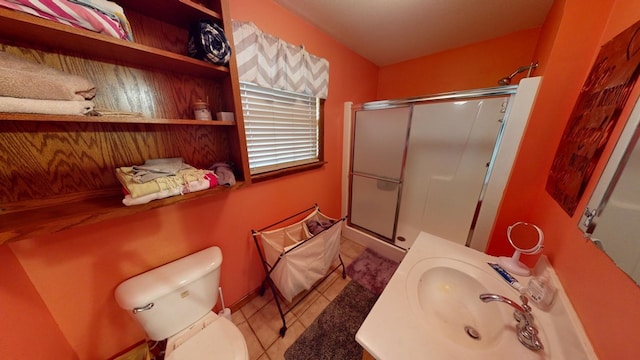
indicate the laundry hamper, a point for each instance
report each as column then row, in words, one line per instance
column 295, row 257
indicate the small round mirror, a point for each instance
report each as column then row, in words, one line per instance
column 526, row 239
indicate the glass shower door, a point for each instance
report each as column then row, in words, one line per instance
column 448, row 155
column 378, row 153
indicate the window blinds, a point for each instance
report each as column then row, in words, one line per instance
column 281, row 128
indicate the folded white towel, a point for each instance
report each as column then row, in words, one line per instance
column 21, row 78
column 36, row 106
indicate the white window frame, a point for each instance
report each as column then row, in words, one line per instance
column 283, row 129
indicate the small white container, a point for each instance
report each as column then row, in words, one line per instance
column 225, row 116
column 201, row 110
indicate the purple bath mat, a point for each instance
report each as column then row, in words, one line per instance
column 372, row 270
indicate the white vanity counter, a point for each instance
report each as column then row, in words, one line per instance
column 431, row 323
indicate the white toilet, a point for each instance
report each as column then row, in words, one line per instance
column 175, row 302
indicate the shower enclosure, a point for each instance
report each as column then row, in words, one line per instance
column 436, row 163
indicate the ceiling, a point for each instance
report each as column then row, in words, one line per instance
column 390, row 31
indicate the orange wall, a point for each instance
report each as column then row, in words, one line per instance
column 605, row 299
column 27, row 329
column 567, row 64
column 474, row 66
column 69, row 277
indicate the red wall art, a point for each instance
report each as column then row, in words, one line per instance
column 594, row 116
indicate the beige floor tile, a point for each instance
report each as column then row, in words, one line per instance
column 346, row 260
column 329, row 280
column 312, row 312
column 276, row 351
column 305, row 303
column 256, row 304
column 336, row 264
column 350, row 250
column 253, row 344
column 266, row 323
column 237, row 317
column 335, row 288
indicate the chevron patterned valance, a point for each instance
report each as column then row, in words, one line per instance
column 268, row 61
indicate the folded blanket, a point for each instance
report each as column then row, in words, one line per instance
column 21, row 78
column 52, row 107
column 67, row 13
column 207, row 42
column 207, row 182
column 174, row 184
column 110, row 9
column 155, row 168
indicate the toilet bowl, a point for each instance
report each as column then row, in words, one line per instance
column 175, row 302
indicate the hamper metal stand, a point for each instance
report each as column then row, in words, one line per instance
column 269, row 268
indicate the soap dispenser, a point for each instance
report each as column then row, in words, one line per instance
column 541, row 291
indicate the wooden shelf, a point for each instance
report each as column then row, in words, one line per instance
column 110, row 119
column 16, row 26
column 181, row 13
column 34, row 218
column 57, row 169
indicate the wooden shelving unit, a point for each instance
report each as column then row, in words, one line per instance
column 65, row 213
column 30, row 29
column 110, row 119
column 58, row 171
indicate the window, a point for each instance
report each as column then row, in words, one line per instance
column 283, row 129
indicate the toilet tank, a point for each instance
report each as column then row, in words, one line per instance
column 173, row 296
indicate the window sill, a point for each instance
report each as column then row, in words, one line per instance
column 284, row 172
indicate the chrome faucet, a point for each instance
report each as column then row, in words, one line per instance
column 527, row 333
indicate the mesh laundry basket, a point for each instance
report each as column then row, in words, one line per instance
column 296, row 257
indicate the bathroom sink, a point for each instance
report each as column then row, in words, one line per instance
column 431, row 309
column 444, row 293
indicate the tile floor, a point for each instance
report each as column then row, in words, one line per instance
column 260, row 322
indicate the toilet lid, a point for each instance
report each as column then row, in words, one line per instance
column 219, row 340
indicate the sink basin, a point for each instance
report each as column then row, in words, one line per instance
column 431, row 309
column 443, row 293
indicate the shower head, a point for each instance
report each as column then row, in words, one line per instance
column 507, row 80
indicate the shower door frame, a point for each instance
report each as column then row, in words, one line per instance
column 398, row 182
column 501, row 91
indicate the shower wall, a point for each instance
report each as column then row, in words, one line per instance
column 448, row 155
